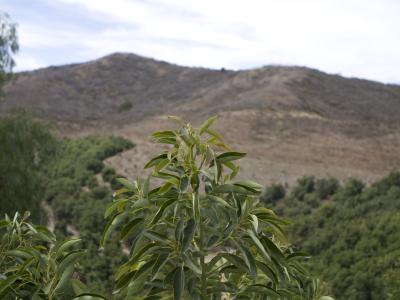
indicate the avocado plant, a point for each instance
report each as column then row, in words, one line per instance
column 33, row 265
column 194, row 232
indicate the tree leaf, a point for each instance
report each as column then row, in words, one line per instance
column 230, row 188
column 207, row 124
column 126, row 183
column 249, row 259
column 179, row 283
column 110, row 225
column 6, row 283
column 160, row 211
column 65, row 245
column 230, row 156
column 89, row 296
column 188, row 234
column 258, row 243
column 250, row 186
column 161, row 261
column 271, row 274
column 155, row 160
column 128, row 228
column 236, row 260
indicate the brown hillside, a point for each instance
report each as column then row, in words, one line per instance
column 291, row 120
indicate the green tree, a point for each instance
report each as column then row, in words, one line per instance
column 8, row 45
column 25, row 147
column 200, row 234
column 273, row 193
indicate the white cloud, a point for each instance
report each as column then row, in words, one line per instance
column 352, row 37
column 25, row 62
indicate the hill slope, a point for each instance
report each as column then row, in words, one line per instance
column 291, row 120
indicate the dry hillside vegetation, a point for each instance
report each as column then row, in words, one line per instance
column 290, row 120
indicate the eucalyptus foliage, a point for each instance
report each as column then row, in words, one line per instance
column 34, row 266
column 8, row 45
column 201, row 234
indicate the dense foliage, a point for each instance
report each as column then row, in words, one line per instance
column 198, row 234
column 78, row 194
column 65, row 181
column 26, row 146
column 34, row 266
column 351, row 231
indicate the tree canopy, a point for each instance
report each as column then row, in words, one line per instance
column 8, row 45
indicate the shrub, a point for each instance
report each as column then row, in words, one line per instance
column 175, row 226
column 326, row 187
column 125, row 106
column 305, row 185
column 353, row 187
column 273, row 193
column 100, row 192
column 108, row 174
column 95, row 165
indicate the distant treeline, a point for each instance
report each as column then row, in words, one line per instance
column 351, row 231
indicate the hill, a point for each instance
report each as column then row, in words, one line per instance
column 291, row 120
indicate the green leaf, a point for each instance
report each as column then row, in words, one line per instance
column 160, row 211
column 89, row 296
column 165, row 137
column 126, row 183
column 69, row 260
column 123, row 281
column 296, row 255
column 161, row 261
column 128, row 228
column 118, row 205
column 65, row 278
column 144, row 268
column 188, row 234
column 236, row 260
column 19, row 253
column 6, row 283
column 230, row 156
column 271, row 274
column 192, row 265
column 248, row 258
column 4, row 223
column 207, row 124
column 179, row 230
column 184, row 184
column 143, row 250
column 220, row 201
column 155, row 160
column 273, row 249
column 65, row 245
column 110, row 225
column 254, row 222
column 258, row 243
column 250, row 186
column 230, row 188
column 155, row 236
column 179, row 280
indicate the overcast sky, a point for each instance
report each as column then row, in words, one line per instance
column 357, row 38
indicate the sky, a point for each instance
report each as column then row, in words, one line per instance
column 353, row 38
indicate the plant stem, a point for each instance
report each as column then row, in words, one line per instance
column 203, row 268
